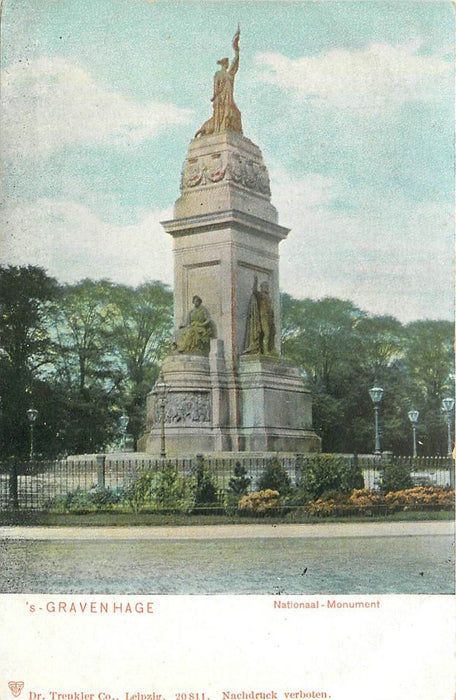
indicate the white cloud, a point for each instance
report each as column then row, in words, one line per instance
column 50, row 102
column 387, row 254
column 71, row 243
column 369, row 79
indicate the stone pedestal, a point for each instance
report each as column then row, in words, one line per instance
column 275, row 407
column 264, row 407
column 188, row 407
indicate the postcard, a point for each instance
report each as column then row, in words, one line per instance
column 226, row 362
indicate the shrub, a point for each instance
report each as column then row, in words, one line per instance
column 206, row 491
column 395, row 477
column 174, row 491
column 275, row 477
column 237, row 487
column 325, row 507
column 240, row 482
column 260, row 503
column 162, row 489
column 79, row 501
column 325, row 473
column 106, row 498
column 140, row 490
column 364, row 497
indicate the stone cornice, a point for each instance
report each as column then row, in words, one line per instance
column 223, row 219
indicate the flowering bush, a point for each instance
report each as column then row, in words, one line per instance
column 265, row 502
column 364, row 497
column 362, row 501
column 328, row 506
column 421, row 496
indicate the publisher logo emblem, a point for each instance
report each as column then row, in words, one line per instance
column 16, row 687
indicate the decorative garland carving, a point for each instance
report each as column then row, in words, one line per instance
column 184, row 408
column 216, row 167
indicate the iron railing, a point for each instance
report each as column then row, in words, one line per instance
column 45, row 484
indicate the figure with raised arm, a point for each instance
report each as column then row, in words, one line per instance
column 225, row 114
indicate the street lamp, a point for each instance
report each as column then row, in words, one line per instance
column 447, row 408
column 376, row 394
column 162, row 394
column 413, row 418
column 32, row 415
column 123, row 422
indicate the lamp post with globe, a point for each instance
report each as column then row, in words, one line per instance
column 413, row 418
column 123, row 423
column 447, row 408
column 162, row 394
column 376, row 394
column 32, row 415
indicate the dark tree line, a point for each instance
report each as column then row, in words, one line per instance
column 83, row 354
column 345, row 352
column 80, row 354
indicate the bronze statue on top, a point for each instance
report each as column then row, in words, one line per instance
column 260, row 328
column 225, row 115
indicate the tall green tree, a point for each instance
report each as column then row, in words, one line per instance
column 84, row 369
column 141, row 332
column 344, row 352
column 380, row 344
column 429, row 360
column 320, row 336
column 25, row 348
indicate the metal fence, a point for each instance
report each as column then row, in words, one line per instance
column 47, row 484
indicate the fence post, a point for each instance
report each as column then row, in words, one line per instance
column 452, row 473
column 13, row 489
column 101, row 472
column 387, row 456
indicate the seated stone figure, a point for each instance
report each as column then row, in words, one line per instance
column 194, row 337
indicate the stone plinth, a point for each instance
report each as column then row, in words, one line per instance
column 188, row 407
column 275, row 407
column 264, row 407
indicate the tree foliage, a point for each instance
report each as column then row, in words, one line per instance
column 140, row 337
column 25, row 347
column 82, row 354
column 344, row 352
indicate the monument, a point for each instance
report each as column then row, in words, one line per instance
column 227, row 387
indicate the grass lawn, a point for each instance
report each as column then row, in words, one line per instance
column 123, row 519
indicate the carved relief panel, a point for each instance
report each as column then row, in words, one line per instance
column 215, row 167
column 183, row 408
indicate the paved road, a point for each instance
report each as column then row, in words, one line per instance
column 375, row 529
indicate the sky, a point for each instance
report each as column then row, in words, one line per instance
column 351, row 104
